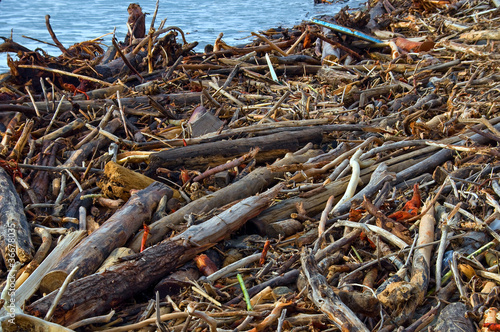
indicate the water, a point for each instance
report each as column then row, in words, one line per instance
column 74, row 21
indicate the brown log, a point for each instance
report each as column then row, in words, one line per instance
column 97, row 293
column 216, row 153
column 40, row 183
column 284, row 228
column 15, row 234
column 120, row 180
column 256, row 181
column 326, row 300
column 114, row 233
column 182, row 98
column 26, row 110
column 11, row 46
column 119, row 66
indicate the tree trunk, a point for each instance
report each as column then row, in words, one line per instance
column 114, row 233
column 97, row 293
column 256, row 181
column 15, row 233
column 216, row 153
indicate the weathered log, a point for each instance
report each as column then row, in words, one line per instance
column 216, row 153
column 402, row 297
column 26, row 110
column 97, row 293
column 114, row 233
column 453, row 319
column 256, row 181
column 23, row 322
column 326, row 300
column 120, row 180
column 15, row 233
column 182, row 98
column 118, row 66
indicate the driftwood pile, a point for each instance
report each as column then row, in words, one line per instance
column 313, row 180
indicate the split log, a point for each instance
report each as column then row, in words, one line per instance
column 114, row 233
column 97, row 293
column 30, row 285
column 256, row 181
column 326, row 300
column 15, row 233
column 120, row 180
column 481, row 35
column 217, row 153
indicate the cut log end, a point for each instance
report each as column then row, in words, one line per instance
column 52, row 281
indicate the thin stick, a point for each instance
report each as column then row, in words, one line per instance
column 42, row 83
column 65, row 284
column 442, row 245
column 276, row 106
column 233, row 267
column 54, row 38
column 58, row 168
column 120, row 107
column 82, row 218
column 33, row 101
column 157, row 305
column 324, row 215
column 62, row 72
column 353, row 182
column 112, row 137
column 297, row 42
column 151, row 28
column 431, row 204
column 74, row 179
column 92, row 320
column 56, row 113
column 273, row 45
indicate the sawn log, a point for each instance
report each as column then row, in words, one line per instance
column 114, row 233
column 97, row 293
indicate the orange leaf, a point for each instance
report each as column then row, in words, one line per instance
column 205, row 264
column 412, row 46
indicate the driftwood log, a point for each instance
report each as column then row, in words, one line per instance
column 114, row 233
column 181, row 99
column 15, row 233
column 97, row 293
column 255, row 182
column 405, row 170
column 326, row 300
column 216, row 153
column 119, row 181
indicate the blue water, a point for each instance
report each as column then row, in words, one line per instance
column 75, row 21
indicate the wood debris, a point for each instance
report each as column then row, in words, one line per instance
column 339, row 174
